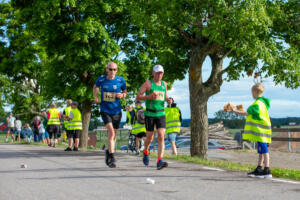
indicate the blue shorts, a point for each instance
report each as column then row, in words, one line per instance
column 262, row 148
column 172, row 137
column 46, row 134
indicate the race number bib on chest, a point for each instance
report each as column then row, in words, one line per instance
column 109, row 96
column 160, row 95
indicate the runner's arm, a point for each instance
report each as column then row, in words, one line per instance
column 145, row 87
column 167, row 98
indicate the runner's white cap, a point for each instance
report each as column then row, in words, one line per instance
column 158, row 68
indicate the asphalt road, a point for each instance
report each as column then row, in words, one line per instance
column 54, row 174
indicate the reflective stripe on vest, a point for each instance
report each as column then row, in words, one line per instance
column 173, row 123
column 54, row 117
column 67, row 113
column 258, row 130
column 138, row 128
column 76, row 122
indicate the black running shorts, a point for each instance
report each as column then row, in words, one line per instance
column 141, row 134
column 53, row 130
column 73, row 134
column 159, row 122
column 111, row 118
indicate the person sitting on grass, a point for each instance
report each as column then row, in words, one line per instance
column 26, row 131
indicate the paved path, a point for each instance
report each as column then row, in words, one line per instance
column 54, row 174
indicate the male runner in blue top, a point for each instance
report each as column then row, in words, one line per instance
column 113, row 88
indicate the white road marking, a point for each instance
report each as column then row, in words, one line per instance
column 285, row 181
column 214, row 169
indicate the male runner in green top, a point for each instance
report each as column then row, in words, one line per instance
column 156, row 95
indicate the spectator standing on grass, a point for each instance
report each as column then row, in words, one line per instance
column 258, row 129
column 18, row 127
column 45, row 122
column 113, row 88
column 10, row 127
column 75, row 127
column 66, row 114
column 138, row 127
column 53, row 125
column 173, row 123
column 35, row 125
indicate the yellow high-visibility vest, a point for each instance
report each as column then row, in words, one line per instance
column 76, row 122
column 173, row 123
column 137, row 127
column 258, row 130
column 54, row 117
column 67, row 113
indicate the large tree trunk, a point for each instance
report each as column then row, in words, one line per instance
column 86, row 116
column 199, row 95
column 199, row 120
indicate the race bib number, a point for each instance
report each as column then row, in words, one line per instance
column 109, row 96
column 160, row 95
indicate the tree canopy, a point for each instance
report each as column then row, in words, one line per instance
column 182, row 34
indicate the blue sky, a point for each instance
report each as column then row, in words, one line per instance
column 284, row 102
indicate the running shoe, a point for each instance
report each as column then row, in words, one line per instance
column 68, row 149
column 255, row 173
column 107, row 157
column 146, row 159
column 75, row 149
column 161, row 164
column 112, row 161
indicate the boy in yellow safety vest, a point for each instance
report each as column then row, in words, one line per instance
column 258, row 129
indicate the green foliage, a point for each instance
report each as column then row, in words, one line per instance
column 19, row 67
column 242, row 30
column 230, row 119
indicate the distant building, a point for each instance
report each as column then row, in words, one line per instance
column 292, row 124
column 3, row 126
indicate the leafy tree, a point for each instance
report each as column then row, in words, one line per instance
column 20, row 67
column 80, row 38
column 181, row 34
column 230, row 119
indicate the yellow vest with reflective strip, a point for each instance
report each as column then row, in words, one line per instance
column 128, row 117
column 67, row 113
column 54, row 117
column 76, row 122
column 258, row 130
column 173, row 123
column 137, row 127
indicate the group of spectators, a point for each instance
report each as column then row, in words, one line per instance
column 48, row 129
column 36, row 130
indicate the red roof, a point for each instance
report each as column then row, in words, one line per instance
column 3, row 126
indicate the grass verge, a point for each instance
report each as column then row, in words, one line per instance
column 292, row 174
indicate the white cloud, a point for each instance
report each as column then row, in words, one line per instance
column 284, row 102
